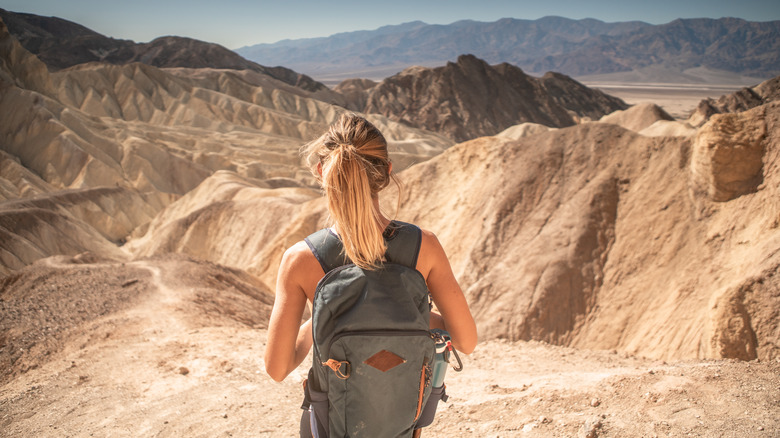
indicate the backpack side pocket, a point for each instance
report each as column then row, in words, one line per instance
column 429, row 411
column 316, row 416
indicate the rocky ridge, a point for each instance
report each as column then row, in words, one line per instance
column 742, row 100
column 572, row 47
column 144, row 211
column 470, row 98
column 61, row 44
column 133, row 138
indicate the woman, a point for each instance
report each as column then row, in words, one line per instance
column 351, row 162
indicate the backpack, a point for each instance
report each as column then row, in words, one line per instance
column 373, row 349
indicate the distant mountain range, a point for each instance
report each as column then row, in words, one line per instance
column 61, row 44
column 460, row 101
column 573, row 47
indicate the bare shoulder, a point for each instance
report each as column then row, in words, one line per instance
column 299, row 253
column 430, row 242
column 299, row 265
column 431, row 252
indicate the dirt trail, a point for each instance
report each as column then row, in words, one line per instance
column 161, row 310
column 169, row 367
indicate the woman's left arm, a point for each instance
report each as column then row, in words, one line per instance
column 454, row 314
column 289, row 341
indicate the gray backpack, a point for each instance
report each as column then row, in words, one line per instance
column 373, row 350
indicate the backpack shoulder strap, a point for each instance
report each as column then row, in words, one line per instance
column 403, row 243
column 328, row 249
column 403, row 246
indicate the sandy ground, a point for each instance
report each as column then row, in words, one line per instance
column 167, row 367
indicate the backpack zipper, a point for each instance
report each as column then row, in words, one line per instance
column 379, row 333
column 425, row 380
column 339, row 268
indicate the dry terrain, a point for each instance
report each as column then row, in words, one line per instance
column 624, row 272
column 679, row 100
column 184, row 358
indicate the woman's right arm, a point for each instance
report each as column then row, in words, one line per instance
column 288, row 341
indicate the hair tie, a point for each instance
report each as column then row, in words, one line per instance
column 347, row 147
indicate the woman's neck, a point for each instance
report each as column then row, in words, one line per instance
column 383, row 221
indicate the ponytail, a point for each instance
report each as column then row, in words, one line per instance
column 355, row 167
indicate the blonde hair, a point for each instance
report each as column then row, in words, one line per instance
column 355, row 168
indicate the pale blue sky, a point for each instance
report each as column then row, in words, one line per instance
column 236, row 23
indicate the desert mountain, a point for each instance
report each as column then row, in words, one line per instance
column 566, row 235
column 572, row 47
column 144, row 212
column 571, row 215
column 470, row 98
column 61, row 44
column 111, row 145
column 576, row 216
column 742, row 100
column 725, row 44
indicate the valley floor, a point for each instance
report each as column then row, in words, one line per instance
column 679, row 100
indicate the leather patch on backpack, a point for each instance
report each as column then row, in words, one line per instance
column 384, row 360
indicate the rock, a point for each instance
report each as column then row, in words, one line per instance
column 727, row 158
column 355, row 92
column 591, row 428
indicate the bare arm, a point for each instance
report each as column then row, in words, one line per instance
column 455, row 316
column 289, row 341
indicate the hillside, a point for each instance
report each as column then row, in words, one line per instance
column 102, row 148
column 469, row 98
column 572, row 47
column 568, row 237
column 61, row 44
column 623, row 271
column 181, row 160
column 742, row 100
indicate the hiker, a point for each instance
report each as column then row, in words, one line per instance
column 351, row 162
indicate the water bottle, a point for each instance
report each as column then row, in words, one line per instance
column 442, row 358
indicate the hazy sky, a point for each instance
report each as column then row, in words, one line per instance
column 236, row 23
